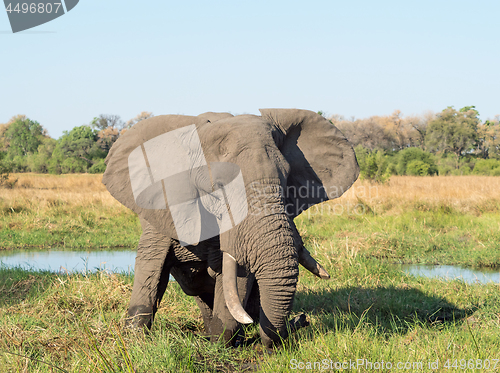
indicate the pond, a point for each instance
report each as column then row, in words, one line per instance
column 449, row 272
column 70, row 261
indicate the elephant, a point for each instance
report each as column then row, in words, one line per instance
column 217, row 195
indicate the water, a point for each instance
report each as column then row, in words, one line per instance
column 447, row 272
column 70, row 261
column 123, row 261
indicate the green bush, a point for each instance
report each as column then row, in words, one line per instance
column 462, row 170
column 76, row 151
column 490, row 167
column 98, row 168
column 72, row 165
column 373, row 165
column 415, row 161
column 19, row 163
column 417, row 168
column 39, row 161
column 449, row 165
column 5, row 169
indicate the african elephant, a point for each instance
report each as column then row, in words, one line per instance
column 216, row 195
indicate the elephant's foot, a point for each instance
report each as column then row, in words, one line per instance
column 298, row 322
column 139, row 317
column 276, row 338
column 241, row 341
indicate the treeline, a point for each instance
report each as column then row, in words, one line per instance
column 452, row 142
column 26, row 147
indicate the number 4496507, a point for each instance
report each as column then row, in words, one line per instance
column 471, row 364
column 34, row 8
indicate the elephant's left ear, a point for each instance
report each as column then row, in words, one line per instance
column 322, row 162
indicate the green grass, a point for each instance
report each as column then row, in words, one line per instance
column 433, row 236
column 439, row 235
column 64, row 211
column 87, row 227
column 368, row 310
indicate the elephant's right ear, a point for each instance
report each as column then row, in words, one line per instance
column 138, row 157
column 322, row 162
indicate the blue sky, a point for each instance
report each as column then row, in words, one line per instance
column 356, row 58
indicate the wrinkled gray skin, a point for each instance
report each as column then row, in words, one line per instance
column 290, row 160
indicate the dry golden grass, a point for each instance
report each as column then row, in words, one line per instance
column 462, row 193
column 45, row 191
column 42, row 211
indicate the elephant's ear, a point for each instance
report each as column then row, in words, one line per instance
column 149, row 162
column 322, row 162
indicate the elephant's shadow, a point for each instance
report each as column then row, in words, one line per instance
column 389, row 309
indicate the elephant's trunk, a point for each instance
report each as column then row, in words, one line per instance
column 282, row 297
column 276, row 304
column 271, row 254
column 277, row 275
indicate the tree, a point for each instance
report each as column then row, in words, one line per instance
column 110, row 127
column 20, row 137
column 23, row 136
column 76, row 151
column 415, row 161
column 141, row 116
column 389, row 133
column 3, row 128
column 373, row 165
column 39, row 162
column 5, row 169
column 419, row 124
column 453, row 132
column 417, row 168
column 489, row 138
column 368, row 133
column 397, row 130
column 107, row 137
column 104, row 121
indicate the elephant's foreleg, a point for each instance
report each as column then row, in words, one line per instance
column 150, row 279
column 253, row 303
column 205, row 302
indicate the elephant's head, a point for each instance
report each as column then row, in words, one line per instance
column 244, row 178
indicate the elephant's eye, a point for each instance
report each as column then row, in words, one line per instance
column 223, row 151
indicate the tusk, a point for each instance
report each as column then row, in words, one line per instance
column 309, row 263
column 229, row 284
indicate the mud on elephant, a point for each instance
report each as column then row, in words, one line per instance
column 216, row 195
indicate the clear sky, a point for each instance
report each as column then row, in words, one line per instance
column 355, row 58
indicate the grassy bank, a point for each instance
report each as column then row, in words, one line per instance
column 368, row 310
column 433, row 220
column 64, row 211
